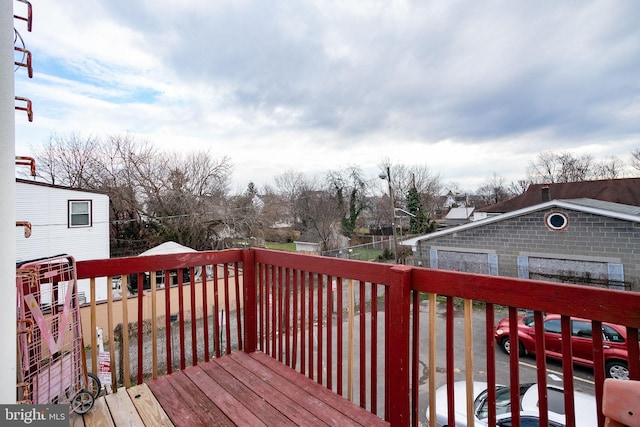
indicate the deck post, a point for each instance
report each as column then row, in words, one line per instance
column 398, row 397
column 250, row 300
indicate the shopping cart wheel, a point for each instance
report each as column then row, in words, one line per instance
column 82, row 402
column 94, row 385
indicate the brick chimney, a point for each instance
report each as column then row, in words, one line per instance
column 546, row 195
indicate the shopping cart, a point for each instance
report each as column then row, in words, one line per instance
column 51, row 361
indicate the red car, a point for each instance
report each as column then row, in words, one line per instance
column 614, row 342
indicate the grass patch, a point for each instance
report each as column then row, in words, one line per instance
column 290, row 247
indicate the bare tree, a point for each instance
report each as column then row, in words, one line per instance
column 557, row 168
column 404, row 178
column 609, row 168
column 493, row 190
column 318, row 213
column 635, row 159
column 69, row 160
column 289, row 185
column 518, row 187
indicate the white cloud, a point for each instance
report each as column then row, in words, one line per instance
column 469, row 89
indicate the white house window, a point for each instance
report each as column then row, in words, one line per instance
column 79, row 213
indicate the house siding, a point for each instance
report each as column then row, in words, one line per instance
column 588, row 237
column 45, row 207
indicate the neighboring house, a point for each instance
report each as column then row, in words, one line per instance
column 582, row 241
column 457, row 216
column 64, row 221
column 311, row 242
column 625, row 191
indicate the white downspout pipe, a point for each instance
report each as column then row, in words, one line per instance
column 7, row 208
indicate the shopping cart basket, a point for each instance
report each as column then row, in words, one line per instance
column 51, row 361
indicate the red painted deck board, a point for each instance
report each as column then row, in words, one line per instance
column 253, row 389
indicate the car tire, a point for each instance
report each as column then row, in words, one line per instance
column 617, row 369
column 505, row 344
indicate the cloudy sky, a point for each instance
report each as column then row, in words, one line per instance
column 468, row 88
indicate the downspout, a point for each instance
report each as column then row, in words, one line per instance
column 7, row 208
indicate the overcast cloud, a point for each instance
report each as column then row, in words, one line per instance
column 468, row 88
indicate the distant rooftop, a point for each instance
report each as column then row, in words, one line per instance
column 624, row 191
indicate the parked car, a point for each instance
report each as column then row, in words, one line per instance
column 614, row 342
column 585, row 406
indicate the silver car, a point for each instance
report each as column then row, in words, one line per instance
column 585, row 406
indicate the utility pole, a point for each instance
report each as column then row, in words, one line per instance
column 387, row 176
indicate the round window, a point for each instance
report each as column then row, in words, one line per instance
column 557, row 221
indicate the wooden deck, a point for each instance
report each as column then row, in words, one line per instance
column 236, row 390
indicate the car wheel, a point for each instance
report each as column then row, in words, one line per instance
column 506, row 346
column 617, row 369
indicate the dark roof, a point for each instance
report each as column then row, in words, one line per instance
column 625, row 191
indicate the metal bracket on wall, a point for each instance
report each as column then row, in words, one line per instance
column 29, row 18
column 28, row 108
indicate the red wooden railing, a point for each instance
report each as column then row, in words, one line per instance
column 354, row 327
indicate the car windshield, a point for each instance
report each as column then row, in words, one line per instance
column 503, row 401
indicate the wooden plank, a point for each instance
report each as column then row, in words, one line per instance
column 148, row 407
column 197, row 401
column 290, row 389
column 173, row 403
column 355, row 413
column 237, row 412
column 237, row 400
column 99, row 416
column 122, row 410
column 276, row 397
column 76, row 420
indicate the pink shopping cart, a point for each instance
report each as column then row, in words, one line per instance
column 51, row 360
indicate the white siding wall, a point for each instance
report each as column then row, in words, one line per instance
column 46, row 209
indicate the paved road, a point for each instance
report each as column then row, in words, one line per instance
column 583, row 378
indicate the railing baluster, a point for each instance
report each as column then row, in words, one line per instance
column 216, row 313
column 329, row 333
column 567, row 371
column 373, row 391
column 236, row 277
column 320, row 356
column 94, row 332
column 167, row 314
column 415, row 357
column 598, row 366
column 205, row 313
column 491, row 363
column 112, row 343
column 468, row 365
column 183, row 352
column 140, row 301
column 541, row 364
column 194, row 324
column 261, row 306
column 362, row 343
column 227, row 316
column 514, row 371
column 310, row 278
column 287, row 314
column 450, row 361
column 303, row 329
column 294, row 319
column 340, row 335
column 432, row 357
column 125, row 334
column 154, row 327
column 633, row 353
column 279, row 316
